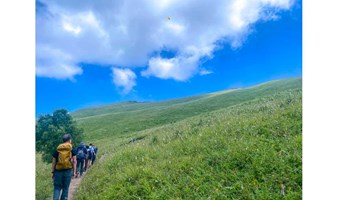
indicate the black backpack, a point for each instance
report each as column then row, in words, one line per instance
column 80, row 153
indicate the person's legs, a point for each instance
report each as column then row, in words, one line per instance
column 89, row 161
column 81, row 166
column 86, row 164
column 94, row 157
column 77, row 166
column 67, row 176
column 57, row 185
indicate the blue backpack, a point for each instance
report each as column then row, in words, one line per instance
column 80, row 153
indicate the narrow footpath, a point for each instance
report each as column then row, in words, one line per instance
column 75, row 182
column 74, row 185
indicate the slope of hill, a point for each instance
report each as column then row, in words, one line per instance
column 239, row 144
column 109, row 121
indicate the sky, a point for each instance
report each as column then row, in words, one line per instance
column 91, row 53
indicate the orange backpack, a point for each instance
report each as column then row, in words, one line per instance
column 65, row 155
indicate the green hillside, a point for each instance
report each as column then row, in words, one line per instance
column 237, row 144
column 116, row 119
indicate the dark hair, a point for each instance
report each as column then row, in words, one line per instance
column 66, row 137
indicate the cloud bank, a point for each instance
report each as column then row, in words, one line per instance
column 129, row 34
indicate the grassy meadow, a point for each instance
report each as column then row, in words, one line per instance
column 43, row 178
column 237, row 144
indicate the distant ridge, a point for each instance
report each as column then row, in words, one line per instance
column 131, row 104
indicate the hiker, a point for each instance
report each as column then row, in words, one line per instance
column 80, row 159
column 91, row 149
column 86, row 160
column 94, row 154
column 89, row 162
column 63, row 167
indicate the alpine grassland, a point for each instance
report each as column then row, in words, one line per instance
column 235, row 144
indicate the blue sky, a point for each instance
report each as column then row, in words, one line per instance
column 87, row 57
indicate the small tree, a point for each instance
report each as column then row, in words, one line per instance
column 50, row 130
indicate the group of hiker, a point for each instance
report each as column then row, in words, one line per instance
column 70, row 162
column 85, row 157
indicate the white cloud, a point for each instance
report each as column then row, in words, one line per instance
column 127, row 33
column 178, row 68
column 205, row 72
column 124, row 78
column 69, row 27
column 53, row 63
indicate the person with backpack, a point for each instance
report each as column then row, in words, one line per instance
column 86, row 159
column 89, row 158
column 63, row 167
column 94, row 153
column 80, row 159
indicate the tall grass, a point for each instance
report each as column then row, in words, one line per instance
column 43, row 177
column 248, row 151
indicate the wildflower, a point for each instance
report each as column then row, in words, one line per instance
column 282, row 192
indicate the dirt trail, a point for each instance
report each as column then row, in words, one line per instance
column 74, row 184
